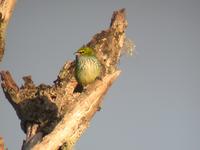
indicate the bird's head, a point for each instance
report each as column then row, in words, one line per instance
column 85, row 51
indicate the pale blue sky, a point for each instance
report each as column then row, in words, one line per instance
column 155, row 103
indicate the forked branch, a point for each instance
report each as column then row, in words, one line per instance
column 56, row 116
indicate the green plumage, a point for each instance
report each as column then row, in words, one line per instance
column 87, row 67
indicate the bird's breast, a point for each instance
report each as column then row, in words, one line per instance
column 87, row 69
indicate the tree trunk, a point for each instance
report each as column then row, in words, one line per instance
column 54, row 117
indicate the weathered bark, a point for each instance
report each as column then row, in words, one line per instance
column 6, row 9
column 56, row 116
column 74, row 123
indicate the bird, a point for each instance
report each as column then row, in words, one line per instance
column 87, row 66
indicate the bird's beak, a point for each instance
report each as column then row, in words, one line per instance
column 77, row 53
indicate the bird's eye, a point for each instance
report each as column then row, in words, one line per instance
column 81, row 52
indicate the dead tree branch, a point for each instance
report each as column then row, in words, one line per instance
column 56, row 116
column 6, row 10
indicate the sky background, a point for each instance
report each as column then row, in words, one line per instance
column 153, row 105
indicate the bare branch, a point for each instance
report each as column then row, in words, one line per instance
column 6, row 10
column 77, row 120
column 52, row 116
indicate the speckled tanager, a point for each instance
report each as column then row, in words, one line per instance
column 87, row 67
